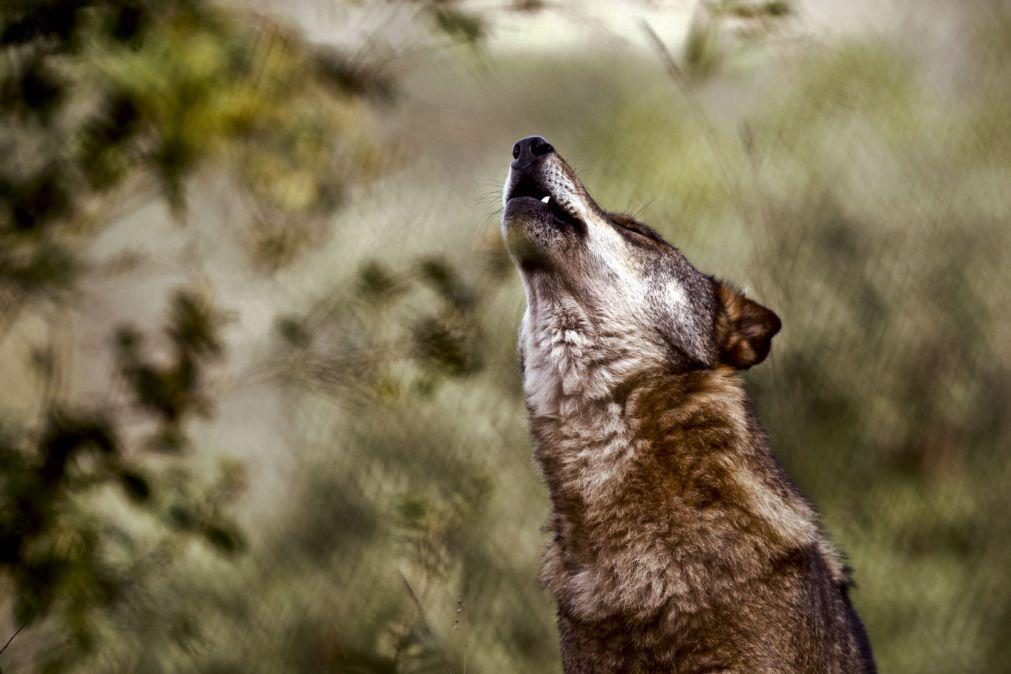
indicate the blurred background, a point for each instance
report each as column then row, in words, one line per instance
column 259, row 402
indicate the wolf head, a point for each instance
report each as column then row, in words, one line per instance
column 610, row 280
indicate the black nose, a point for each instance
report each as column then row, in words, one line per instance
column 530, row 149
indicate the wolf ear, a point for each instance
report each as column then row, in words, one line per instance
column 744, row 329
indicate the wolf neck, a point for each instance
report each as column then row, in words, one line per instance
column 573, row 358
column 626, row 447
column 584, row 384
column 572, row 369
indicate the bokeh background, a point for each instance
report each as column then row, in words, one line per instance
column 259, row 403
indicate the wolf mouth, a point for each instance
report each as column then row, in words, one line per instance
column 530, row 186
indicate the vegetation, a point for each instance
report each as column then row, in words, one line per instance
column 260, row 407
column 108, row 105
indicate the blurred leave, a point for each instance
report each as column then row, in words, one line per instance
column 459, row 24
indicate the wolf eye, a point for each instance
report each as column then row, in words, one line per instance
column 643, row 235
column 639, row 234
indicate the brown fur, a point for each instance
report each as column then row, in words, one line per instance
column 708, row 559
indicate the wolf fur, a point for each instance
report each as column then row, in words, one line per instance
column 678, row 543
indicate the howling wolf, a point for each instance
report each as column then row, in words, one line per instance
column 678, row 543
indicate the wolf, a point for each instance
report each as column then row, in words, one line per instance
column 677, row 542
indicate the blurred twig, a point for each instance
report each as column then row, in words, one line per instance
column 12, row 637
column 678, row 78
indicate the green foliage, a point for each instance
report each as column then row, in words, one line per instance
column 721, row 30
column 701, row 55
column 172, row 391
column 376, row 284
column 459, row 24
column 748, row 9
column 56, row 549
column 105, row 103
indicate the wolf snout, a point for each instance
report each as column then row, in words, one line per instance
column 528, row 150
